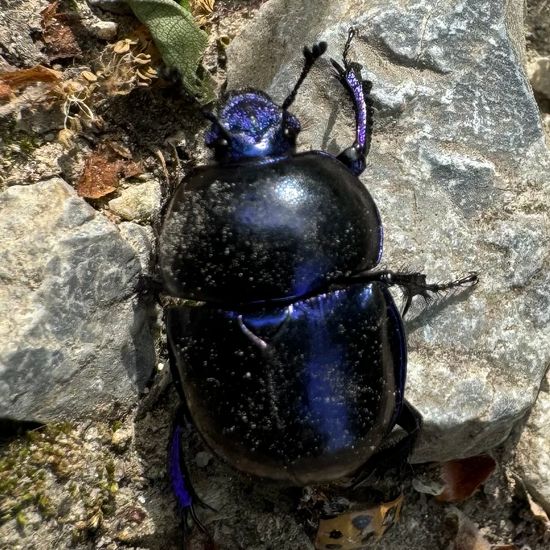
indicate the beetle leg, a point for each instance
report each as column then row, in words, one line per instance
column 184, row 492
column 396, row 453
column 310, row 57
column 413, row 284
column 349, row 75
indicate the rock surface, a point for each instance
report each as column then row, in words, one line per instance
column 533, row 450
column 458, row 168
column 112, row 490
column 138, row 202
column 74, row 337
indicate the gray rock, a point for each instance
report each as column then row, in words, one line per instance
column 538, row 71
column 142, row 240
column 533, row 450
column 105, row 30
column 19, row 19
column 458, row 168
column 138, row 202
column 74, row 337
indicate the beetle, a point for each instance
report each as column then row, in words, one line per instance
column 291, row 356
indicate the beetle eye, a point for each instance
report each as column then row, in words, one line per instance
column 290, row 131
column 223, row 142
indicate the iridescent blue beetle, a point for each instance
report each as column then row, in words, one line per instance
column 293, row 366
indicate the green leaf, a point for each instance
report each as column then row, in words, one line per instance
column 180, row 42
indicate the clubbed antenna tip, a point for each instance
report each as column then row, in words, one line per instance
column 310, row 56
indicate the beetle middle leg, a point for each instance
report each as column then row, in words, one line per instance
column 413, row 283
column 354, row 157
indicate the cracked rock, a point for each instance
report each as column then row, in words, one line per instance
column 458, row 168
column 75, row 340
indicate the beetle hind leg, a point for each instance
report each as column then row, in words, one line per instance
column 396, row 453
column 354, row 157
column 186, row 496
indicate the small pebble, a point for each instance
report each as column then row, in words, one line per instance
column 538, row 72
column 104, row 30
column 202, row 459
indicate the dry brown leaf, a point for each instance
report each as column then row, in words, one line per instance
column 21, row 78
column 57, row 33
column 99, row 177
column 6, row 93
column 104, row 168
column 463, row 477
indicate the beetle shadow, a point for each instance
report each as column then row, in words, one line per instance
column 328, row 143
column 435, row 307
column 152, row 429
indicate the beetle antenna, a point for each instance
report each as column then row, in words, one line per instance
column 310, row 55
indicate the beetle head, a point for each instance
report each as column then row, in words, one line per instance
column 250, row 125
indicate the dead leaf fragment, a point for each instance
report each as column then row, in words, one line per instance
column 99, row 178
column 6, row 93
column 353, row 530
column 21, row 78
column 464, row 476
column 104, row 168
column 58, row 34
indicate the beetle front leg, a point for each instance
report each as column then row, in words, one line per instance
column 349, row 75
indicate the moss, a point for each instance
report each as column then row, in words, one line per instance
column 116, row 425
column 49, row 465
column 15, row 143
column 21, row 519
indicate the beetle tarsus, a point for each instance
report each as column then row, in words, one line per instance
column 414, row 284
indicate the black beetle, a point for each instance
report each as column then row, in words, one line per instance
column 292, row 365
